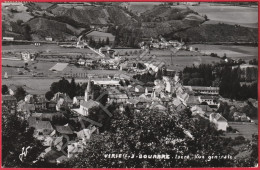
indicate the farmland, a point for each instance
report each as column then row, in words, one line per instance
column 244, row 16
column 235, row 52
column 43, row 48
column 179, row 62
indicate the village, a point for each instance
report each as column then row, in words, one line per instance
column 52, row 118
column 72, row 92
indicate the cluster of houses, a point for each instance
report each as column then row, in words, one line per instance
column 166, row 94
column 161, row 43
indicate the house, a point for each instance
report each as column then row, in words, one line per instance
column 180, row 107
column 196, row 110
column 210, row 100
column 205, row 90
column 58, row 143
column 10, row 102
column 48, row 38
column 115, row 96
column 85, row 134
column 42, row 128
column 106, row 82
column 77, row 100
column 148, row 90
column 85, row 106
column 26, row 108
column 192, row 101
column 40, row 103
column 64, row 130
column 74, row 148
column 81, row 62
column 219, row 121
column 183, row 97
column 139, row 89
column 28, row 56
column 89, row 62
column 154, row 65
column 8, row 38
column 238, row 116
column 32, row 121
column 12, row 89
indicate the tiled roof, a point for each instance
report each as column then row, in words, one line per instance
column 8, row 98
column 64, row 129
column 218, row 117
column 43, row 125
column 204, row 88
column 89, row 104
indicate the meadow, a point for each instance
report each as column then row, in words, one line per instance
column 244, row 16
column 235, row 52
column 43, row 48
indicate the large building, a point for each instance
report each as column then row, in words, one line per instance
column 87, row 103
column 204, row 90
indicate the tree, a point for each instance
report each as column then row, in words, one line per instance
column 159, row 74
column 5, row 90
column 26, row 32
column 20, row 93
column 206, row 17
column 15, row 136
column 107, row 41
column 150, row 133
column 49, row 95
column 73, row 88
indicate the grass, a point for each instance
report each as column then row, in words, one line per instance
column 53, row 48
column 235, row 52
column 245, row 130
column 180, row 62
column 245, row 16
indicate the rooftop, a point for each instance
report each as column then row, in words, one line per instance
column 89, row 104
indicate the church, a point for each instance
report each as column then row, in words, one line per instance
column 88, row 102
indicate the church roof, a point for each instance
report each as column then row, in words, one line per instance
column 89, row 104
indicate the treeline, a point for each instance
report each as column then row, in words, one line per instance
column 74, row 89
column 198, row 76
column 20, row 27
column 150, row 77
column 230, row 86
column 92, row 43
column 126, row 37
column 227, row 79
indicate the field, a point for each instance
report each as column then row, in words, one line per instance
column 245, row 129
column 236, row 52
column 43, row 48
column 140, row 7
column 244, row 16
column 33, row 85
column 180, row 62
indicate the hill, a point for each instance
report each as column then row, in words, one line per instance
column 219, row 33
column 41, row 28
column 64, row 21
column 93, row 14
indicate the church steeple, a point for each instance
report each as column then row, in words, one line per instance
column 88, row 91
